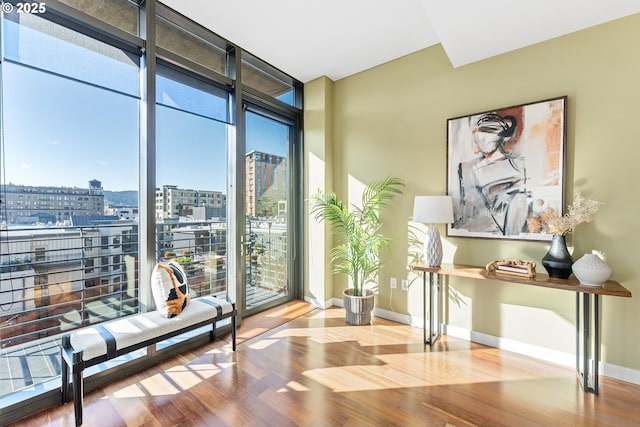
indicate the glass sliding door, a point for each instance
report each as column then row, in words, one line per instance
column 191, row 173
column 267, row 200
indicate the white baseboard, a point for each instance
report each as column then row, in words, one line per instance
column 377, row 312
column 392, row 315
column 566, row 359
column 320, row 304
column 620, row 373
column 554, row 356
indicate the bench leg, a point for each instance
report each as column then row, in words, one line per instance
column 77, row 369
column 64, row 388
column 64, row 377
column 78, row 393
column 64, row 367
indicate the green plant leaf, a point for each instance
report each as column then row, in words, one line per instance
column 359, row 255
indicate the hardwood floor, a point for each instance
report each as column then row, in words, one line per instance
column 315, row 370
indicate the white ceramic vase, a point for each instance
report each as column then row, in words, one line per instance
column 591, row 270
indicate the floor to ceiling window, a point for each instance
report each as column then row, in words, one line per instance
column 272, row 158
column 69, row 149
column 266, row 201
column 73, row 122
column 191, row 179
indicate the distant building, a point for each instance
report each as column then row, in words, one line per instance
column 266, row 184
column 125, row 212
column 174, row 202
column 177, row 238
column 27, row 204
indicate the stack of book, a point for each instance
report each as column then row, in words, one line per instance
column 513, row 268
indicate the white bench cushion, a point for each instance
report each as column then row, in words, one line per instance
column 138, row 328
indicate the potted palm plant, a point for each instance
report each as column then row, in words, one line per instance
column 358, row 256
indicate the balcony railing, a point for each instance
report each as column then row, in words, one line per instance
column 56, row 279
column 267, row 261
column 201, row 250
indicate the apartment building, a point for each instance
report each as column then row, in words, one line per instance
column 173, row 202
column 266, row 184
column 28, row 204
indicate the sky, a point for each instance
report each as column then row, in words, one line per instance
column 65, row 132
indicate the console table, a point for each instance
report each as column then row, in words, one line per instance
column 586, row 297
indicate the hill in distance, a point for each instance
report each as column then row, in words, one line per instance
column 121, row 198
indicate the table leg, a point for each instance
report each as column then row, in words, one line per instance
column 588, row 380
column 434, row 308
column 424, row 307
column 596, row 342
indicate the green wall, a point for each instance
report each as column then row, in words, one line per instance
column 391, row 120
column 318, row 156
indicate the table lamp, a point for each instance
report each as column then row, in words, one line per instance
column 433, row 210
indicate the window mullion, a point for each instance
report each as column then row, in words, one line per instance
column 147, row 171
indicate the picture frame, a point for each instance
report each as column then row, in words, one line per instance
column 506, row 170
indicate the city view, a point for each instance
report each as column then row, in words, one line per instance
column 45, row 229
column 69, row 255
column 81, row 142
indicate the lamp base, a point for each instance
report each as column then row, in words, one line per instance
column 432, row 247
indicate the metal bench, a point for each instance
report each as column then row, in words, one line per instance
column 96, row 344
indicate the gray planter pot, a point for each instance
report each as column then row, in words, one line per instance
column 358, row 309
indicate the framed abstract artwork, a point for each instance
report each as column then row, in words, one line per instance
column 506, row 170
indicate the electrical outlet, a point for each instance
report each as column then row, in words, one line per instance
column 393, row 283
column 405, row 285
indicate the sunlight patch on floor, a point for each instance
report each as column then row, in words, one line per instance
column 203, row 371
column 327, row 314
column 262, row 344
column 368, row 337
column 360, row 378
column 130, row 391
column 184, row 378
column 418, row 370
column 173, row 380
column 248, row 334
column 288, row 312
column 216, row 351
column 293, row 385
column 159, row 385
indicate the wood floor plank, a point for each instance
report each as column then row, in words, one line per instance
column 309, row 368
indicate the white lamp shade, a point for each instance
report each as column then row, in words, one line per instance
column 433, row 209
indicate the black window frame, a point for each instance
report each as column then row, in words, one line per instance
column 239, row 95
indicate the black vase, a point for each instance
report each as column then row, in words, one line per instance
column 558, row 260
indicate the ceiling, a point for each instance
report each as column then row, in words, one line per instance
column 337, row 38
